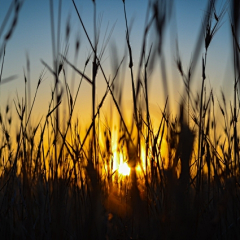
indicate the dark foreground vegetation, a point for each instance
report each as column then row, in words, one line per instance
column 56, row 184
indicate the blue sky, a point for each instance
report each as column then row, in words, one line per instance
column 32, row 36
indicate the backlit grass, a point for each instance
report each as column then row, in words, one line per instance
column 128, row 179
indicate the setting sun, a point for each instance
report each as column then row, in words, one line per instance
column 124, row 169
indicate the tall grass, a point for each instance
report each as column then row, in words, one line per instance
column 56, row 184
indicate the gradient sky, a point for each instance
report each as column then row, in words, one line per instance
column 32, row 36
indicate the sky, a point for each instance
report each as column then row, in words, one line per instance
column 32, row 37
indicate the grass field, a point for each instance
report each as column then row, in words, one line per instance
column 179, row 180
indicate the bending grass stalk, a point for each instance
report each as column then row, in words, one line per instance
column 105, row 78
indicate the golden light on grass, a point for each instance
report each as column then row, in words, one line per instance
column 138, row 168
column 143, row 156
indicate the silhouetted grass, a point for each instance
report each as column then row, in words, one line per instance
column 56, row 184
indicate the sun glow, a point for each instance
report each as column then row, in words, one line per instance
column 119, row 164
column 124, row 169
column 119, row 157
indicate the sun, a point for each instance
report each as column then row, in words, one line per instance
column 124, row 169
